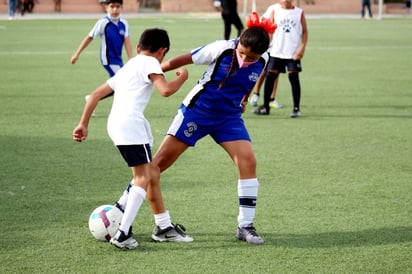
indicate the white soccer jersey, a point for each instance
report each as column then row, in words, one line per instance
column 132, row 91
column 287, row 37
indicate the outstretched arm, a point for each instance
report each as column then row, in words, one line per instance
column 80, row 132
column 177, row 62
column 86, row 41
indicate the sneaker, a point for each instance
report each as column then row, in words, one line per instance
column 254, row 100
column 275, row 104
column 87, row 98
column 295, row 113
column 123, row 241
column 261, row 111
column 174, row 233
column 249, row 235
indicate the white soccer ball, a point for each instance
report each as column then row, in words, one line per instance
column 104, row 222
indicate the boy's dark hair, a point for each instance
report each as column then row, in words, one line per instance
column 255, row 38
column 113, row 1
column 154, row 39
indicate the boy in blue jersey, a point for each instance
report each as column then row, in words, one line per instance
column 114, row 33
column 214, row 107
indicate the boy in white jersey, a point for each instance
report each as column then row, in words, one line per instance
column 288, row 48
column 127, row 127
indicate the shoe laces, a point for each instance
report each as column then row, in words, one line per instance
column 180, row 229
column 251, row 230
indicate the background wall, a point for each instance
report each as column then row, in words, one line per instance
column 131, row 6
column 74, row 6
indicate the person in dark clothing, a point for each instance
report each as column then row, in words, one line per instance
column 230, row 17
column 26, row 6
column 366, row 4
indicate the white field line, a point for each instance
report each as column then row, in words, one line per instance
column 349, row 48
column 44, row 52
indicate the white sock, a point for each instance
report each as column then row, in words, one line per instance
column 134, row 202
column 163, row 220
column 123, row 199
column 247, row 192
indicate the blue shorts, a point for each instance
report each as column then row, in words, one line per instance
column 112, row 69
column 136, row 155
column 190, row 125
column 282, row 64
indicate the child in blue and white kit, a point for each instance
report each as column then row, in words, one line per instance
column 114, row 33
column 214, row 107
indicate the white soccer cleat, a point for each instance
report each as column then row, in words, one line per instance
column 174, row 233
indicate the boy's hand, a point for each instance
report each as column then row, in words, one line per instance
column 74, row 59
column 80, row 133
column 182, row 73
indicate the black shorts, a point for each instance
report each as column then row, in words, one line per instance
column 136, row 155
column 281, row 65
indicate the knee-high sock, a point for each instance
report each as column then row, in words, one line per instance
column 268, row 88
column 295, row 83
column 123, row 199
column 247, row 191
column 135, row 200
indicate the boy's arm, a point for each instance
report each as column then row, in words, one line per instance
column 177, row 62
column 166, row 88
column 80, row 132
column 304, row 40
column 86, row 41
column 128, row 47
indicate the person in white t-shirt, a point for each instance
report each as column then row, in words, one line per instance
column 127, row 126
column 288, row 47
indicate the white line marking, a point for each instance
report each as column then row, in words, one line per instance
column 348, row 48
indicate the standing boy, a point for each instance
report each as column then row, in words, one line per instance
column 288, row 47
column 127, row 126
column 114, row 33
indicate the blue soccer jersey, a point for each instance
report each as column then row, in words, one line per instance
column 217, row 92
column 112, row 39
column 213, row 106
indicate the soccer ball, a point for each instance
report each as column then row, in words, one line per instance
column 104, row 222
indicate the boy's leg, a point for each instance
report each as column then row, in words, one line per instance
column 273, row 102
column 255, row 96
column 296, row 92
column 271, row 77
column 124, row 237
column 138, row 157
column 122, row 202
column 166, row 155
